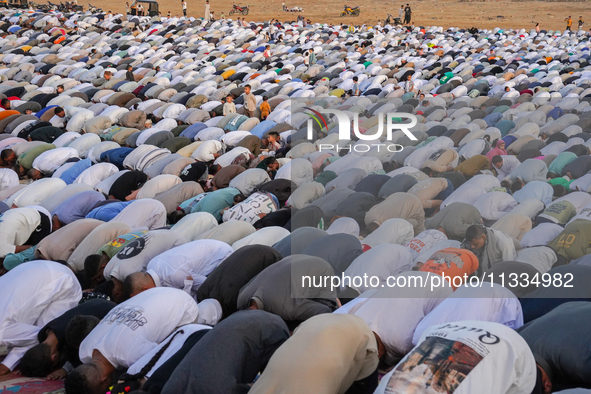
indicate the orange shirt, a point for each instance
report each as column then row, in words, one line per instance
column 9, row 112
column 452, row 262
column 265, row 109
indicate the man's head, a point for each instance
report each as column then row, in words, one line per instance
column 497, row 161
column 229, row 98
column 8, row 157
column 213, row 169
column 273, row 136
column 370, row 228
column 60, row 89
column 129, row 68
column 20, row 170
column 476, row 236
column 422, row 96
column 107, row 75
column 59, row 111
column 507, row 88
column 87, row 379
column 559, row 191
column 5, row 103
column 34, row 174
column 117, row 293
column 94, row 267
column 516, row 186
column 543, row 380
column 272, row 164
column 39, row 361
column 28, row 111
column 355, row 79
column 137, row 282
column 428, row 171
column 78, row 328
column 56, row 224
column 408, row 77
column 247, row 89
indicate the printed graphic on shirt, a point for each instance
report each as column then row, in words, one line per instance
column 135, row 247
column 436, row 155
column 442, row 361
column 131, row 316
column 250, row 209
column 446, row 258
column 416, row 244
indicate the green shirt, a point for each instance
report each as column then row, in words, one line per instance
column 560, row 212
column 562, row 182
column 26, row 159
column 574, row 241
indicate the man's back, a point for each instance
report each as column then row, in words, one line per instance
column 137, row 325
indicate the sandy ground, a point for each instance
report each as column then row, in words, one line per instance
column 516, row 14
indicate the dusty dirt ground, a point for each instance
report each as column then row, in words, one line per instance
column 516, row 14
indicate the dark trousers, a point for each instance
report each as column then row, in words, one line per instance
column 159, row 378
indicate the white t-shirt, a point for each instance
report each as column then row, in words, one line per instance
column 138, row 325
column 490, row 302
column 49, row 161
column 172, row 267
column 394, row 313
column 136, row 255
column 469, row 357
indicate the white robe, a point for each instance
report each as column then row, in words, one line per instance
column 34, row 294
column 49, row 161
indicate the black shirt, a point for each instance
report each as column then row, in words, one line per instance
column 129, row 76
column 97, row 308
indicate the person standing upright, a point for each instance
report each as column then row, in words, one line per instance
column 207, row 11
column 569, row 23
column 407, row 14
column 401, row 12
column 250, row 101
column 184, row 3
